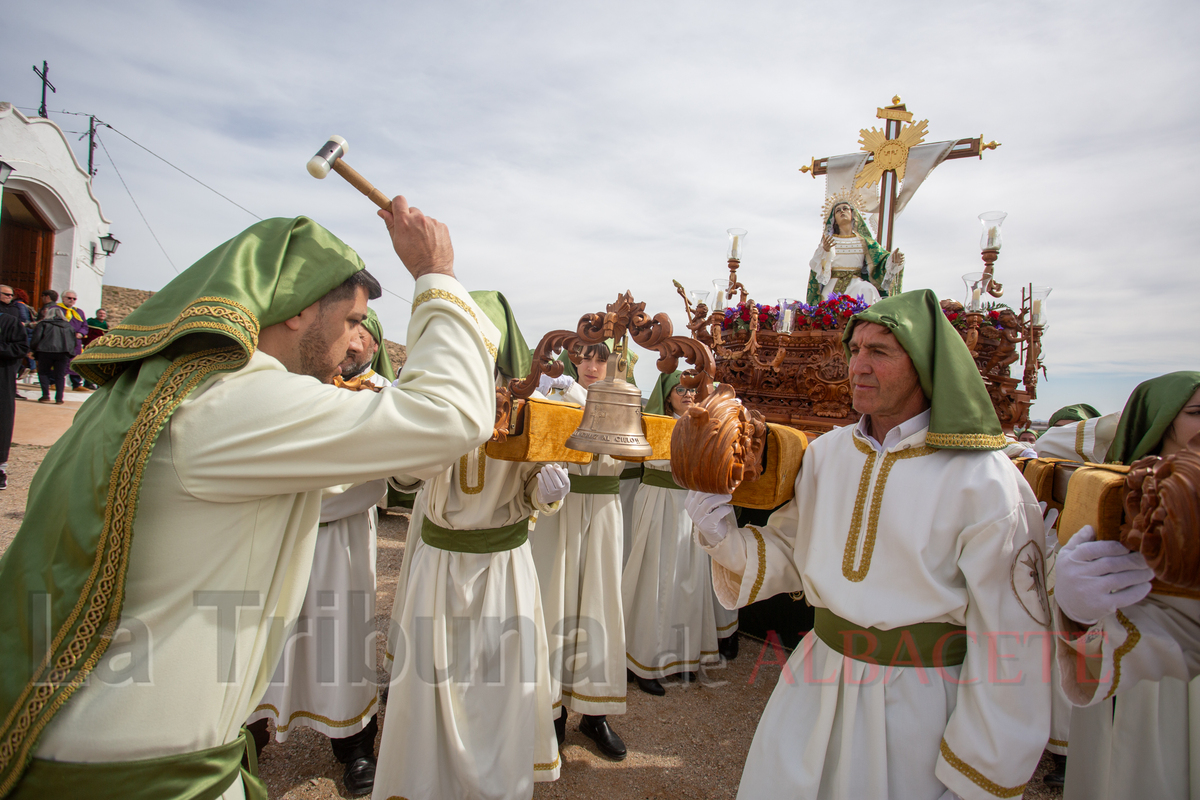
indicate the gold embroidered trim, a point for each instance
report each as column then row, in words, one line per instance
column 462, row 473
column 762, row 564
column 1058, row 742
column 114, row 339
column 333, row 723
column 860, row 502
column 889, row 461
column 589, row 699
column 977, row 777
column 727, row 627
column 1080, row 431
column 442, row 294
column 249, row 342
column 1133, row 636
column 547, row 767
column 966, row 441
column 41, row 697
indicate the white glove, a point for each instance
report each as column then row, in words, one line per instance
column 548, row 384
column 712, row 514
column 553, row 484
column 1094, row 579
column 1027, row 453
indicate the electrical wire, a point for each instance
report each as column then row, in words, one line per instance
column 172, row 166
column 100, row 122
column 135, row 205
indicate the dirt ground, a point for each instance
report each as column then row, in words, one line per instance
column 690, row 744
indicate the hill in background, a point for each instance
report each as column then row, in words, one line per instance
column 119, row 301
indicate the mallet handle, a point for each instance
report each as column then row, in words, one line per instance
column 362, row 184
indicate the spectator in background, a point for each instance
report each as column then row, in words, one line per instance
column 12, row 350
column 1028, row 436
column 28, row 316
column 80, row 326
column 49, row 298
column 97, row 326
column 53, row 344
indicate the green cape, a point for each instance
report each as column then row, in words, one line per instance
column 512, row 354
column 382, row 362
column 876, row 256
column 1078, row 412
column 1148, row 413
column 74, row 543
column 961, row 413
column 667, row 381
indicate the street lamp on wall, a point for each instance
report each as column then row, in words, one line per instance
column 108, row 243
column 5, row 171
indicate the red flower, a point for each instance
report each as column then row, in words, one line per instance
column 826, row 319
column 953, row 315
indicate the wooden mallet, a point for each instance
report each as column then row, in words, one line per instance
column 330, row 157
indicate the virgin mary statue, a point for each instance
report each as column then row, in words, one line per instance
column 849, row 260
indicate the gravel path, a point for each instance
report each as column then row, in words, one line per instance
column 690, row 744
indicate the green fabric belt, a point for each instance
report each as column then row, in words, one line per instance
column 204, row 775
column 595, row 484
column 480, row 540
column 630, row 473
column 661, row 478
column 927, row 644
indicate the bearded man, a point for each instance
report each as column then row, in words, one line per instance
column 919, row 546
column 170, row 532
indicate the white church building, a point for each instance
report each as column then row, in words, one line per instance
column 53, row 233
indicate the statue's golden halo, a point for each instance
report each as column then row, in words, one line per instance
column 845, row 195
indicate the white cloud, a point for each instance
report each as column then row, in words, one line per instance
column 580, row 150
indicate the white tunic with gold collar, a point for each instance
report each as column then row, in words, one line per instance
column 891, row 536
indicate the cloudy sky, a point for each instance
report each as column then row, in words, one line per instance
column 577, row 150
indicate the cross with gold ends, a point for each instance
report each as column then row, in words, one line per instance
column 888, row 159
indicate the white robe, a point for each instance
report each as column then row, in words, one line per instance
column 227, row 521
column 1086, row 440
column 471, row 690
column 1144, row 746
column 847, row 259
column 666, row 589
column 326, row 677
column 578, row 556
column 956, row 537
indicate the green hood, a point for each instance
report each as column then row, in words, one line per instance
column 1148, row 413
column 1077, row 412
column 74, row 543
column 667, row 381
column 513, row 355
column 961, row 413
column 382, row 362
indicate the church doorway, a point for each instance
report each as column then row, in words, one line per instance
column 26, row 246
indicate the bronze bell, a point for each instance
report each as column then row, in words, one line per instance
column 612, row 418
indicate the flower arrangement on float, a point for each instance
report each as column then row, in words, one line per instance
column 830, row 314
column 991, row 315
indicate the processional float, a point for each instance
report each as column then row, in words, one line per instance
column 781, row 374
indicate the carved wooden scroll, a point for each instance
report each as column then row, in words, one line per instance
column 1162, row 513
column 717, row 444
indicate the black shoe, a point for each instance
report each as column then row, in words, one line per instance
column 560, row 727
column 596, row 728
column 728, row 647
column 3, row 479
column 359, row 777
column 1058, row 775
column 650, row 686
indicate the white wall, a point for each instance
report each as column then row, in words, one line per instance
column 46, row 170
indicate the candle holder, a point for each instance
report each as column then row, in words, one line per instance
column 989, row 245
column 977, row 285
column 787, row 315
column 737, row 241
column 719, row 286
column 1038, row 315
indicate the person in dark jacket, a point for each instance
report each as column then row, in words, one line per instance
column 12, row 350
column 53, row 345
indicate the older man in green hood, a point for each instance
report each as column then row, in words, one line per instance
column 170, row 532
column 919, row 546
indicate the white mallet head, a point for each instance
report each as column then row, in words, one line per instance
column 320, row 164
